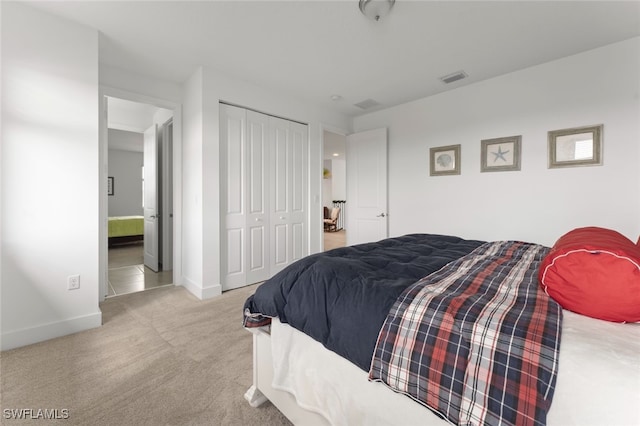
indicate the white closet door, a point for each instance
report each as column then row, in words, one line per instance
column 299, row 194
column 288, row 192
column 264, row 195
column 257, row 147
column 232, row 150
column 245, row 148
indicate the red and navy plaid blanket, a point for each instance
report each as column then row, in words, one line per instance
column 477, row 342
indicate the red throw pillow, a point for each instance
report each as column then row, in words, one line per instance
column 594, row 272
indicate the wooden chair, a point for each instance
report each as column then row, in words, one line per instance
column 331, row 224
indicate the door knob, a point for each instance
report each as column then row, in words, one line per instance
column 381, row 215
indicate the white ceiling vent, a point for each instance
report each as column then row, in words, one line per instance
column 367, row 103
column 454, row 77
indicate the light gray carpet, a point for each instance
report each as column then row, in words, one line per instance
column 162, row 357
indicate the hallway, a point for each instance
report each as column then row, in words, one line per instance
column 335, row 239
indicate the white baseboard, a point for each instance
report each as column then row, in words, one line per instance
column 40, row 333
column 200, row 292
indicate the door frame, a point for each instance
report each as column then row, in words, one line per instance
column 103, row 169
column 318, row 223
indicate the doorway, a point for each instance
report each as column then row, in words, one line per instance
column 139, row 139
column 334, row 190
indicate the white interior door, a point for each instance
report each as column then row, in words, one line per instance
column 151, row 198
column 167, row 196
column 104, row 202
column 288, row 191
column 367, row 186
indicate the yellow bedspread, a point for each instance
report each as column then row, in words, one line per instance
column 122, row 226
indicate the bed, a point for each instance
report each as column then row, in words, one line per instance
column 433, row 329
column 125, row 229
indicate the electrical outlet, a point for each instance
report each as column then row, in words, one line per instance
column 73, row 282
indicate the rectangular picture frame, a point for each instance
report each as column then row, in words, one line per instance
column 500, row 154
column 444, row 160
column 574, row 147
column 110, row 185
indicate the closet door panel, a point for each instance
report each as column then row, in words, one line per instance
column 233, row 197
column 257, row 164
column 257, row 199
column 279, row 246
column 289, row 193
column 299, row 197
column 298, row 171
column 235, row 247
column 298, row 242
column 280, row 193
column 233, row 144
column 257, row 259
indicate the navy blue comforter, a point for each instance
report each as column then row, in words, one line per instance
column 342, row 297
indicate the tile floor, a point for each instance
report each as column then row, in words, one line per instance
column 127, row 273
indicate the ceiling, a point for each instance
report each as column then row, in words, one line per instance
column 314, row 49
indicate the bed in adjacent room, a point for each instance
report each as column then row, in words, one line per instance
column 125, row 229
column 434, row 329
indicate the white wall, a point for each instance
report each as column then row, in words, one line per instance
column 192, row 183
column 327, row 185
column 125, row 140
column 125, row 168
column 49, row 176
column 339, row 179
column 144, row 85
column 536, row 204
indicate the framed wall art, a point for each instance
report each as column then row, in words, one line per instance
column 579, row 146
column 500, row 154
column 444, row 160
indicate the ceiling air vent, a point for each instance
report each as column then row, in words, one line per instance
column 367, row 103
column 454, row 77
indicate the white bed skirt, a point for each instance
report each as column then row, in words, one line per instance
column 598, row 381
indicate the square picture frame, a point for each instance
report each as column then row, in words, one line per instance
column 110, row 189
column 444, row 160
column 578, row 146
column 500, row 154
